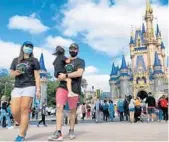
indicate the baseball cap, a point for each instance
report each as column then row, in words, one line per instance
column 74, row 46
column 28, row 44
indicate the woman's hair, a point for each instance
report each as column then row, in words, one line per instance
column 21, row 55
column 59, row 51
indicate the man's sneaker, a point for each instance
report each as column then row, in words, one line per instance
column 19, row 139
column 71, row 94
column 57, row 136
column 71, row 134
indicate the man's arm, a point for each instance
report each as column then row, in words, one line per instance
column 76, row 74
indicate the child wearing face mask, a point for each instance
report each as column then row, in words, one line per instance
column 59, row 67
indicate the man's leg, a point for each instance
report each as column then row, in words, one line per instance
column 61, row 98
column 72, row 101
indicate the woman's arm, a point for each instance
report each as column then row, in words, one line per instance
column 37, row 79
column 14, row 73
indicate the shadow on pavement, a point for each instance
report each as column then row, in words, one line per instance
column 37, row 136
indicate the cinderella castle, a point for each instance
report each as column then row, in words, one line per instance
column 149, row 69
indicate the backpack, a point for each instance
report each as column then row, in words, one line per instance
column 163, row 103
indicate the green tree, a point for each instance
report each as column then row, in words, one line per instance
column 51, row 92
column 6, row 86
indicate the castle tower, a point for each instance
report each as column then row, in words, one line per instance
column 44, row 80
column 113, row 79
column 124, row 79
column 158, row 77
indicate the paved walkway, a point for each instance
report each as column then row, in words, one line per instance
column 115, row 131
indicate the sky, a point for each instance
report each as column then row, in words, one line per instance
column 102, row 29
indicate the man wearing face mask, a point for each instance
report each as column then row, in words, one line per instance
column 77, row 67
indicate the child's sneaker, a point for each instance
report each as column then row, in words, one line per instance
column 71, row 94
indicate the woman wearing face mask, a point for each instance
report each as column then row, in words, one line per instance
column 25, row 70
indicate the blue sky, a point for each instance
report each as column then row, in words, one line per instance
column 100, row 27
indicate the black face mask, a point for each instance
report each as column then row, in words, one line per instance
column 73, row 54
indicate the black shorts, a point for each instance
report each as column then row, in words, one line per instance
column 151, row 110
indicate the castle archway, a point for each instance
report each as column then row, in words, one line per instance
column 142, row 94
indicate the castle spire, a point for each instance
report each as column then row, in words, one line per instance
column 132, row 36
column 148, row 6
column 143, row 28
column 113, row 72
column 157, row 60
column 123, row 64
column 42, row 63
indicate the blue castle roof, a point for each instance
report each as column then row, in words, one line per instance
column 139, row 33
column 140, row 60
column 123, row 64
column 158, row 33
column 162, row 45
column 42, row 64
column 143, row 28
column 131, row 40
column 157, row 60
column 113, row 71
column 157, row 65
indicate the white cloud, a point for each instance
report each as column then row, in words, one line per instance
column 99, row 81
column 10, row 50
column 27, row 23
column 53, row 41
column 91, row 70
column 107, row 29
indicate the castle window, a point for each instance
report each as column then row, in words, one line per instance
column 144, row 79
column 137, row 80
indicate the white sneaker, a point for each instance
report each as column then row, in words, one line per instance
column 11, row 127
column 71, row 94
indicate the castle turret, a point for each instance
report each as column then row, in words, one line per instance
column 149, row 20
column 131, row 44
column 112, row 82
column 44, row 80
column 158, row 77
column 124, row 79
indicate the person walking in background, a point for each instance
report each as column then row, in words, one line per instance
column 126, row 108
column 160, row 112
column 43, row 113
column 105, row 111
column 111, row 110
column 99, row 108
column 151, row 104
column 131, row 109
column 5, row 114
column 138, row 109
column 164, row 107
column 83, row 108
column 88, row 111
column 120, row 107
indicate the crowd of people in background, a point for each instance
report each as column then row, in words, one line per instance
column 129, row 109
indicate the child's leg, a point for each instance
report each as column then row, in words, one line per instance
column 69, row 84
